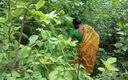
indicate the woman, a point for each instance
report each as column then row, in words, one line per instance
column 88, row 44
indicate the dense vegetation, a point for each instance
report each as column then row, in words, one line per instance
column 34, row 43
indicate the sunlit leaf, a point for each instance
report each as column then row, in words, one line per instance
column 20, row 4
column 68, row 75
column 101, row 49
column 45, row 60
column 40, row 14
column 62, row 12
column 2, row 20
column 118, row 45
column 18, row 12
column 111, row 60
column 53, row 75
column 39, row 4
column 43, row 79
column 101, row 69
column 74, row 43
column 113, row 68
column 44, row 34
column 29, row 70
column 121, row 33
column 124, row 48
column 108, row 63
column 11, row 78
column 119, row 24
column 33, row 39
column 52, row 14
column 15, row 74
column 24, row 51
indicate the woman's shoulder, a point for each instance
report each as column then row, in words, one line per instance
column 86, row 25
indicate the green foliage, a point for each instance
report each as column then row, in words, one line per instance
column 108, row 65
column 39, row 4
column 32, row 39
column 48, row 52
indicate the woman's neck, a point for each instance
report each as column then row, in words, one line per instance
column 80, row 29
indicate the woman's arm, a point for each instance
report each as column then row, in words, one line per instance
column 70, row 36
column 69, row 33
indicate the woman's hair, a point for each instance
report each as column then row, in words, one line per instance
column 76, row 21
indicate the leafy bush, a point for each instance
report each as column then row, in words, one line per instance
column 34, row 43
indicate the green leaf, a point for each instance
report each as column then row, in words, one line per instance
column 68, row 75
column 44, row 34
column 1, row 57
column 62, row 12
column 11, row 78
column 20, row 4
column 111, row 60
column 39, row 4
column 35, row 74
column 52, row 14
column 118, row 45
column 18, row 12
column 45, row 60
column 40, row 14
column 4, row 27
column 101, row 49
column 121, row 33
column 74, row 43
column 54, row 0
column 33, row 39
column 9, row 16
column 53, row 75
column 29, row 70
column 113, row 68
column 119, row 24
column 101, row 69
column 24, row 51
column 39, row 43
column 60, row 78
column 43, row 79
column 2, row 20
column 124, row 48
column 53, row 40
column 2, row 75
column 15, row 74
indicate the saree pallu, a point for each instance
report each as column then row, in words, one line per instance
column 87, row 48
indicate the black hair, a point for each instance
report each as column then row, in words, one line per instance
column 76, row 21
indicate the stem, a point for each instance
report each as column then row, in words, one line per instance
column 22, row 27
column 123, row 25
column 16, row 60
column 78, row 69
column 9, row 21
column 20, row 36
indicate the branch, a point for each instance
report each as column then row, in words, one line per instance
column 16, row 59
column 9, row 21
